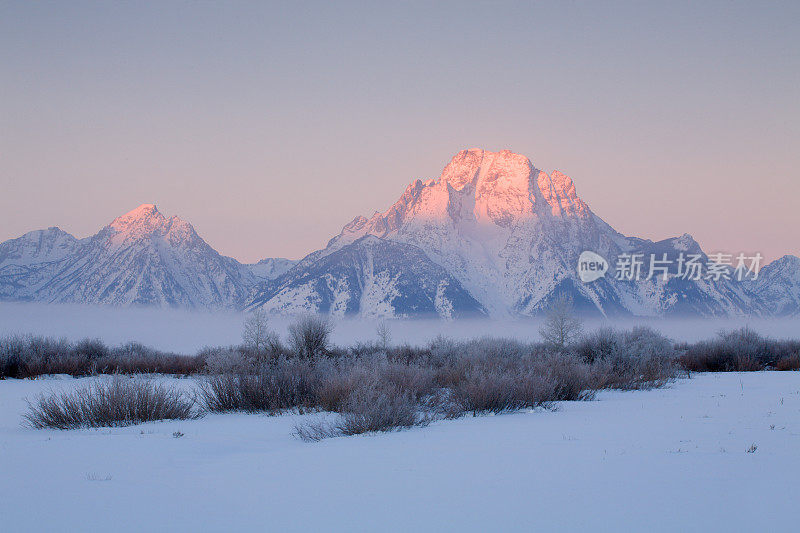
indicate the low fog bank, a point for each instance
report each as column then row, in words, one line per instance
column 188, row 331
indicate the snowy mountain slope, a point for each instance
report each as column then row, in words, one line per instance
column 778, row 286
column 682, row 297
column 369, row 277
column 141, row 258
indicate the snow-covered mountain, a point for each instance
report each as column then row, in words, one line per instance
column 511, row 235
column 271, row 267
column 369, row 277
column 140, row 258
column 493, row 235
column 778, row 286
column 29, row 262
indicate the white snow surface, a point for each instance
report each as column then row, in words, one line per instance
column 672, row 459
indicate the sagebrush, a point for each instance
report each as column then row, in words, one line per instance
column 119, row 401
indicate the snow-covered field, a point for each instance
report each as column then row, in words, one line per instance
column 188, row 331
column 673, row 459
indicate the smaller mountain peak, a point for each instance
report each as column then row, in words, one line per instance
column 686, row 243
column 788, row 260
column 53, row 232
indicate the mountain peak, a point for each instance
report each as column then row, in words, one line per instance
column 476, row 165
column 141, row 212
column 791, row 261
column 477, row 189
column 144, row 221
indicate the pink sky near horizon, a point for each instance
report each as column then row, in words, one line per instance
column 268, row 127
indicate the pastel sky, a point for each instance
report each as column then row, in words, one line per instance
column 270, row 125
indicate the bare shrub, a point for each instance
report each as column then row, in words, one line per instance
column 93, row 349
column 118, row 402
column 496, row 386
column 637, row 359
column 486, row 390
column 603, row 343
column 406, row 353
column 10, row 352
column 293, row 382
column 135, row 358
column 222, row 392
column 380, row 409
column 225, row 360
column 563, row 377
column 339, row 382
column 415, row 379
column 443, row 404
column 30, row 356
column 488, row 348
column 370, row 408
column 630, row 373
column 738, row 350
column 282, row 384
column 442, row 349
column 315, row 431
column 788, row 362
column 309, row 336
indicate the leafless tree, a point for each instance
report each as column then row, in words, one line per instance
column 561, row 325
column 256, row 333
column 384, row 335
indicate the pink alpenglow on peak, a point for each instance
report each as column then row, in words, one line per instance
column 477, row 187
column 512, row 235
column 143, row 211
column 144, row 215
column 498, row 210
column 147, row 221
column 558, row 191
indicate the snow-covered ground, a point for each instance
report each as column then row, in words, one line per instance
column 188, row 331
column 672, row 459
